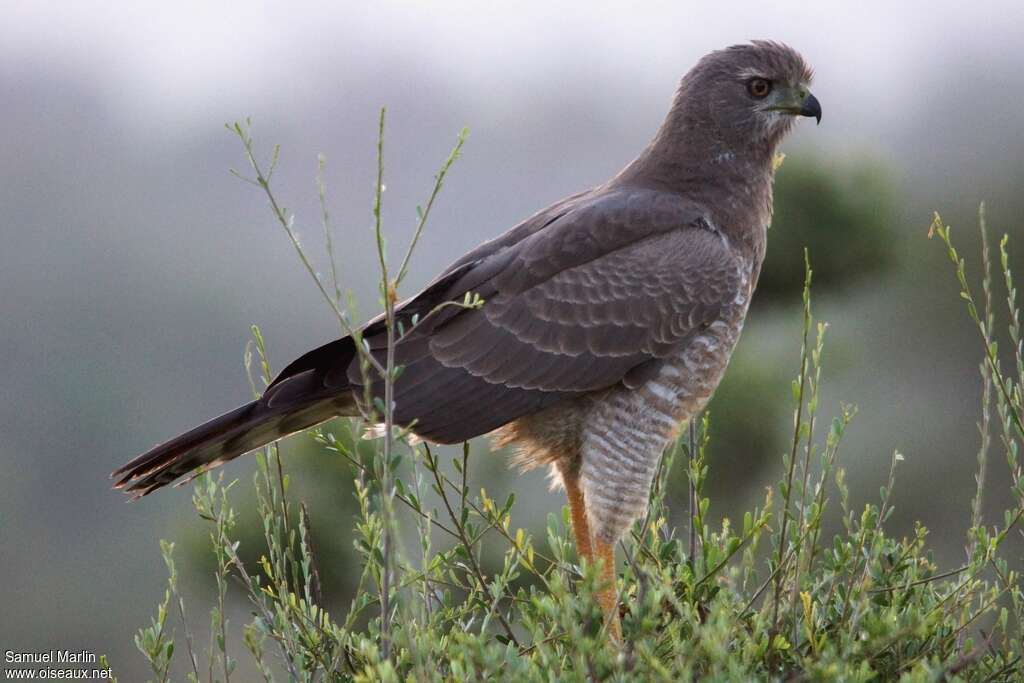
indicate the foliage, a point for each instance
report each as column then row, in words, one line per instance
column 768, row 599
column 844, row 212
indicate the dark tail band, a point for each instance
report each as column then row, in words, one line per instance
column 235, row 433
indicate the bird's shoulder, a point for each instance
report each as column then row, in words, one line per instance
column 646, row 236
column 613, row 215
column 576, row 231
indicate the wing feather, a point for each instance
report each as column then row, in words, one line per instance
column 597, row 292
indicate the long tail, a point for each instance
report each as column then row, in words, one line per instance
column 294, row 405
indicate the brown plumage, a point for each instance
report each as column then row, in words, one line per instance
column 609, row 317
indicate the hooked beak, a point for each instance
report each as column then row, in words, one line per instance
column 796, row 101
column 811, row 107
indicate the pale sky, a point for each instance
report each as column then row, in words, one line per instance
column 200, row 56
column 138, row 263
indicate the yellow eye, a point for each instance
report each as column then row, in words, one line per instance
column 759, row 87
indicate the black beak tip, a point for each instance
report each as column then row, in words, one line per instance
column 811, row 107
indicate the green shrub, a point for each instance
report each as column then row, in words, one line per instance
column 770, row 598
column 843, row 212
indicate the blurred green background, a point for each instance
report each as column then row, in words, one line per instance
column 132, row 263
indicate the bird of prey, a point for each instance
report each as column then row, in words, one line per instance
column 608, row 317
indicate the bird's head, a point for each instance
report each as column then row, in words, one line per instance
column 748, row 94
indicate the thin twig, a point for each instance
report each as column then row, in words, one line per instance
column 433, row 466
column 425, row 212
column 988, row 322
column 388, row 288
column 797, row 420
column 325, row 219
column 692, row 512
column 286, row 220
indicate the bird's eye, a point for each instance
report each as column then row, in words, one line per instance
column 759, row 87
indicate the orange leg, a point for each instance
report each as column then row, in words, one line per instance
column 578, row 511
column 607, row 595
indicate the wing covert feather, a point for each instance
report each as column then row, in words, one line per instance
column 588, row 297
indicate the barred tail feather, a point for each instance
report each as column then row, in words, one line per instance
column 222, row 439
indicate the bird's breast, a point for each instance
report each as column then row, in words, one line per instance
column 627, row 430
column 686, row 381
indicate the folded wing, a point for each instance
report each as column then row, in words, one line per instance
column 599, row 296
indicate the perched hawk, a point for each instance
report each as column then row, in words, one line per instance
column 609, row 317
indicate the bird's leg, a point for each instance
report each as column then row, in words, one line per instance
column 607, row 594
column 578, row 512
